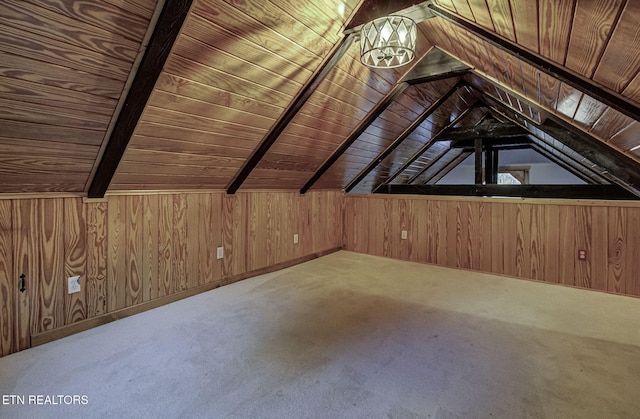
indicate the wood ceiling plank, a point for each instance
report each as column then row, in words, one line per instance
column 150, row 170
column 26, row 91
column 633, row 89
column 36, row 20
column 202, row 33
column 621, row 61
column 181, row 158
column 118, row 20
column 144, row 8
column 592, row 26
column 53, row 133
column 548, row 88
column 588, row 112
column 500, row 11
column 196, row 107
column 464, row 10
column 525, row 22
column 192, row 70
column 179, row 86
column 51, row 115
column 29, row 165
column 250, row 28
column 191, row 135
column 183, row 120
column 193, row 49
column 447, row 4
column 361, row 101
column 321, row 106
column 140, row 142
column 610, row 124
column 28, row 69
column 302, row 132
column 319, row 124
column 568, row 101
column 320, row 17
column 290, row 162
column 303, row 146
column 627, row 138
column 23, row 43
column 481, row 13
column 555, row 26
column 46, row 148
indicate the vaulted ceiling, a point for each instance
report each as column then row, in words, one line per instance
column 210, row 94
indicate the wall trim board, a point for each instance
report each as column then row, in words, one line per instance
column 49, row 336
column 507, row 200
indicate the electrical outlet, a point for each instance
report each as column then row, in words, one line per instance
column 404, row 234
column 582, row 254
column 220, row 253
column 73, row 284
column 295, row 238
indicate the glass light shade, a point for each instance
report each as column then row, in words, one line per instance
column 388, row 42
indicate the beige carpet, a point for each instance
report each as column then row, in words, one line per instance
column 347, row 336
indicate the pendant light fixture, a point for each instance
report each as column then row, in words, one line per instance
column 388, row 42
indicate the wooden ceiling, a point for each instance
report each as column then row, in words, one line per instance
column 242, row 98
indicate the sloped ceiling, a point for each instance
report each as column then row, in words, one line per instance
column 238, row 68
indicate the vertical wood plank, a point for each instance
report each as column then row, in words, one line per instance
column 485, row 221
column 536, row 245
column 7, row 279
column 523, row 260
column 228, row 205
column 75, row 252
column 150, row 248
column 25, row 237
column 567, row 244
column 598, row 252
column 134, row 253
column 583, row 241
column 117, row 264
column 632, row 256
column 510, row 237
column 180, row 272
column 194, row 228
column 241, row 217
column 50, row 221
column 497, row 238
column 375, row 221
column 96, row 283
column 165, row 245
column 617, row 243
column 442, row 240
column 208, row 237
column 463, row 251
column 453, row 233
column 551, row 266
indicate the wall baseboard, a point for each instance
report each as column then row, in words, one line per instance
column 81, row 326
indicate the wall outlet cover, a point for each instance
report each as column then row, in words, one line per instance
column 404, row 234
column 295, row 238
column 73, row 284
column 220, row 253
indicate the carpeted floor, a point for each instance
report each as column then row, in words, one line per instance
column 347, row 336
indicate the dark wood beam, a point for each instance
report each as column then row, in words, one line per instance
column 358, row 130
column 436, row 65
column 429, row 165
column 564, row 165
column 425, row 147
column 161, row 41
column 493, row 142
column 607, row 192
column 414, row 125
column 445, row 170
column 607, row 96
column 487, row 131
column 478, row 161
column 560, row 153
column 491, row 166
column 298, row 102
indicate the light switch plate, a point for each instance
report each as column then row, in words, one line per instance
column 295, row 238
column 74, row 284
column 220, row 253
column 404, row 234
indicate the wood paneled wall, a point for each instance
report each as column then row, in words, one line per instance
column 527, row 239
column 132, row 249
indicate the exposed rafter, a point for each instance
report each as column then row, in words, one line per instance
column 403, row 136
column 459, row 157
column 167, row 28
column 436, row 65
column 358, row 130
column 298, row 102
column 564, row 165
column 588, row 86
column 487, row 131
column 608, row 192
column 425, row 147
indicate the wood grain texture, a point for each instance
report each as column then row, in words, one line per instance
column 7, row 280
column 133, row 249
column 538, row 241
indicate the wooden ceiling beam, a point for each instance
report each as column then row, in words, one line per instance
column 301, row 98
column 606, row 192
column 487, row 131
column 355, row 134
column 403, row 136
column 556, row 160
column 607, row 96
column 424, row 148
column 167, row 28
